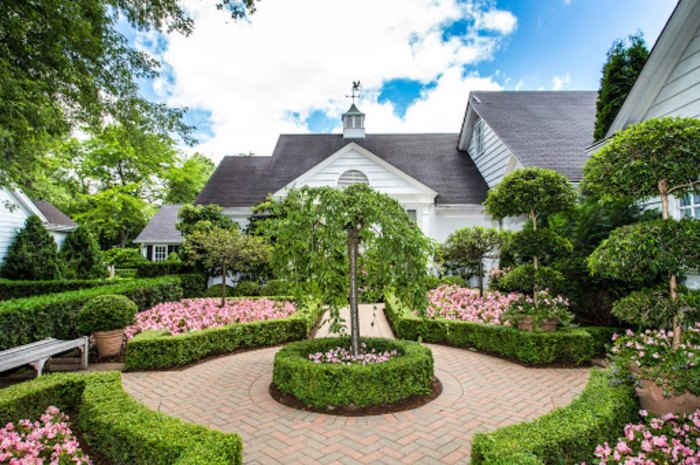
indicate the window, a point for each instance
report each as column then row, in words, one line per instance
column 413, row 214
column 690, row 206
column 351, row 177
column 160, row 253
column 479, row 137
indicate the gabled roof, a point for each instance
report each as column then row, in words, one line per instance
column 53, row 215
column 161, row 228
column 432, row 159
column 677, row 34
column 544, row 129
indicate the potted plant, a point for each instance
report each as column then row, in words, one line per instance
column 546, row 313
column 106, row 317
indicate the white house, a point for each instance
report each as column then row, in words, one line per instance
column 16, row 207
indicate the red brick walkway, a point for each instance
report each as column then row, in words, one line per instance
column 481, row 393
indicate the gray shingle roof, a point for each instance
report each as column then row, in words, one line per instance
column 432, row 159
column 542, row 129
column 55, row 216
column 161, row 228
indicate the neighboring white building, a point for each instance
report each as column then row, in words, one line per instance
column 15, row 208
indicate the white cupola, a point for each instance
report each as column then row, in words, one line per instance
column 353, row 123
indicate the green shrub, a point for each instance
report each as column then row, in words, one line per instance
column 654, row 308
column 215, row 291
column 82, row 256
column 34, row 318
column 155, row 269
column 274, row 287
column 19, row 289
column 246, row 289
column 128, row 273
column 602, row 338
column 329, row 384
column 124, row 258
column 33, row 254
column 574, row 346
column 567, row 435
column 432, row 282
column 522, row 279
column 157, row 349
column 453, row 281
column 193, row 285
column 116, row 426
column 106, row 313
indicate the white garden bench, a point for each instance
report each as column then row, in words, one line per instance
column 38, row 353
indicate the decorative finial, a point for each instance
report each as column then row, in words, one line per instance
column 356, row 88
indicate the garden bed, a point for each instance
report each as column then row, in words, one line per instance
column 115, row 426
column 155, row 349
column 331, row 387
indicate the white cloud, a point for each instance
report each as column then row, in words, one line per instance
column 302, row 56
column 558, row 82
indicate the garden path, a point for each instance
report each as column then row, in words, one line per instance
column 481, row 393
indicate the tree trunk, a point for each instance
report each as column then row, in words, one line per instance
column 353, row 239
column 223, row 286
column 535, row 261
column 673, row 280
column 481, row 277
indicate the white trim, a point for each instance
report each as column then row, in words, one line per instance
column 156, row 247
column 364, row 152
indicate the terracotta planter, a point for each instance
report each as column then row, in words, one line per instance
column 550, row 326
column 651, row 398
column 109, row 343
column 527, row 324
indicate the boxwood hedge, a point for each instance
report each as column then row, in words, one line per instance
column 116, row 426
column 53, row 315
column 157, row 349
column 326, row 384
column 12, row 289
column 575, row 346
column 566, row 435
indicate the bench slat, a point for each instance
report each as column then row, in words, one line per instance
column 28, row 346
column 35, row 352
column 44, row 348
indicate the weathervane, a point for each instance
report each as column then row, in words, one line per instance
column 356, row 88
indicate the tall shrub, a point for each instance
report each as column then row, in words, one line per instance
column 465, row 249
column 659, row 157
column 33, row 254
column 81, row 256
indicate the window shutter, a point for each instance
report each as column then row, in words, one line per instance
column 149, row 252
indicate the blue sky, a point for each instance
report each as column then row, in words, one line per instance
column 289, row 68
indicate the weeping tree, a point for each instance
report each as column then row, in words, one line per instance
column 466, row 248
column 657, row 158
column 537, row 193
column 321, row 234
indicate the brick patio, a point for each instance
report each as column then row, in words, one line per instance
column 481, row 393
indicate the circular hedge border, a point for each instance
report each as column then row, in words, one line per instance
column 328, row 385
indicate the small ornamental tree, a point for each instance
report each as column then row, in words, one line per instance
column 226, row 250
column 33, row 254
column 537, row 193
column 658, row 157
column 466, row 248
column 82, row 256
column 321, row 234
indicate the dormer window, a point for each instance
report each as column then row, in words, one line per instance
column 351, row 177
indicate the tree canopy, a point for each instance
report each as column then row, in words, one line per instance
column 622, row 66
column 184, row 182
column 202, row 217
column 465, row 250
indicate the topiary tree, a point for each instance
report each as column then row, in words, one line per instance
column 81, row 256
column 319, row 234
column 227, row 250
column 537, row 193
column 33, row 254
column 658, row 157
column 466, row 248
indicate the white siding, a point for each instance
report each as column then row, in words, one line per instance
column 493, row 163
column 11, row 220
column 444, row 221
column 680, row 95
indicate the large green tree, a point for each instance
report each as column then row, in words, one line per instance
column 202, row 217
column 659, row 157
column 537, row 193
column 33, row 254
column 465, row 249
column 320, row 233
column 64, row 64
column 185, row 181
column 623, row 64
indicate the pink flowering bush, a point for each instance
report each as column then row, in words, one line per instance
column 548, row 308
column 459, row 303
column 650, row 355
column 666, row 440
column 48, row 440
column 197, row 314
column 344, row 356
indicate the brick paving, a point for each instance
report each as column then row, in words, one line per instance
column 481, row 393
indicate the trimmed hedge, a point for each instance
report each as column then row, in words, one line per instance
column 574, row 346
column 54, row 315
column 158, row 349
column 567, row 435
column 118, row 427
column 10, row 289
column 327, row 384
column 155, row 269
